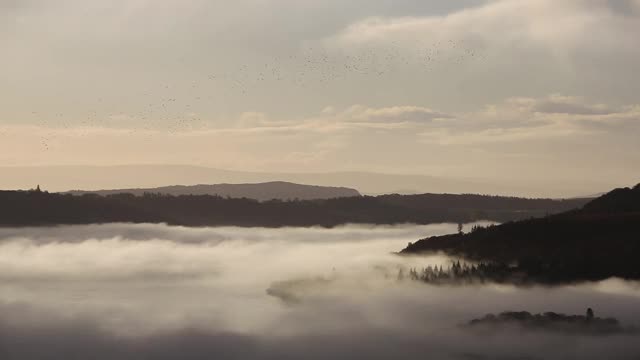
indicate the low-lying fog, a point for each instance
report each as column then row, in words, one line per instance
column 159, row 292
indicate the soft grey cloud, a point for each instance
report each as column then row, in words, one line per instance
column 220, row 60
column 517, row 47
column 392, row 114
column 571, row 105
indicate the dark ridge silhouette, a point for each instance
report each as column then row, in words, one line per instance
column 29, row 208
column 83, row 177
column 624, row 200
column 550, row 321
column 595, row 242
column 279, row 190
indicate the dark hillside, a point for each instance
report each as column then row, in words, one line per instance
column 598, row 241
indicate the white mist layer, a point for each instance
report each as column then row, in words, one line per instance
column 268, row 293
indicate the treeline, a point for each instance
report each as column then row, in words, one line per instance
column 596, row 242
column 28, row 208
column 463, row 274
column 551, row 321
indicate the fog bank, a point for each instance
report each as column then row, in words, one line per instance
column 155, row 291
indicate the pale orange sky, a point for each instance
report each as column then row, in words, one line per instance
column 522, row 89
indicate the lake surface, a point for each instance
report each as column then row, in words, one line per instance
column 156, row 291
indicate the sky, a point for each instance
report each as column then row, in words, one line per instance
column 522, row 89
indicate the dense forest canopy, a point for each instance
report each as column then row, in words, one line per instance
column 26, row 208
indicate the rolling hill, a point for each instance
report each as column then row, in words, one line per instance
column 279, row 190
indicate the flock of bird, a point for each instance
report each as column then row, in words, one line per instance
column 311, row 68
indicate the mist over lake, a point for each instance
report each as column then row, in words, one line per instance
column 156, row 291
column 311, row 180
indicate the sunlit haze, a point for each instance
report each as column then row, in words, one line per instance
column 527, row 90
column 319, row 179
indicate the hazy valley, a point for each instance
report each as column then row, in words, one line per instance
column 319, row 179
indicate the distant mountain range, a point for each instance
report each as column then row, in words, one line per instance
column 65, row 178
column 598, row 241
column 278, row 190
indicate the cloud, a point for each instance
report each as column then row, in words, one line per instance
column 507, row 47
column 150, row 251
column 497, row 138
column 81, row 291
column 556, row 117
column 556, row 27
column 392, row 114
column 353, row 117
column 570, row 105
column 219, row 60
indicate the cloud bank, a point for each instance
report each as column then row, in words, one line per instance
column 153, row 291
column 516, row 138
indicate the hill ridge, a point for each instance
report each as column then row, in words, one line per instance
column 261, row 191
column 598, row 241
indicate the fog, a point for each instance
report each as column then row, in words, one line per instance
column 123, row 291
